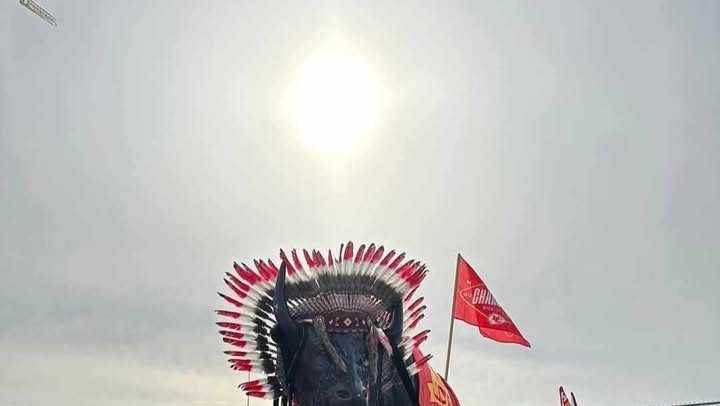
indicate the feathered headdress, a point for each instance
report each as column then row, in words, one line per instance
column 355, row 292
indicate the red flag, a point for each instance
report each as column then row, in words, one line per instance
column 564, row 401
column 475, row 304
column 433, row 389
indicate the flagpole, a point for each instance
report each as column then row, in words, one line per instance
column 452, row 318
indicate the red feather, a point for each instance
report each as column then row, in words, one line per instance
column 230, row 300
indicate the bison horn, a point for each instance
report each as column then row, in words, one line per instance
column 289, row 336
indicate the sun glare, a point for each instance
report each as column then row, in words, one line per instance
column 335, row 101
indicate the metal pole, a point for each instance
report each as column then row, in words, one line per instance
column 452, row 318
column 698, row 404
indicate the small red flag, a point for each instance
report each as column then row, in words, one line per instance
column 475, row 305
column 564, row 401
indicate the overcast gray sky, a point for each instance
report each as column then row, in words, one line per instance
column 569, row 150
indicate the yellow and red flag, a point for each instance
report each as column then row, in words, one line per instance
column 477, row 306
column 434, row 390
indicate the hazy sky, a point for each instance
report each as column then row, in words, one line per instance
column 569, row 150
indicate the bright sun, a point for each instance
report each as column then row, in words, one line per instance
column 335, row 101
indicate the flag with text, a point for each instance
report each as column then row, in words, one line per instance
column 475, row 305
